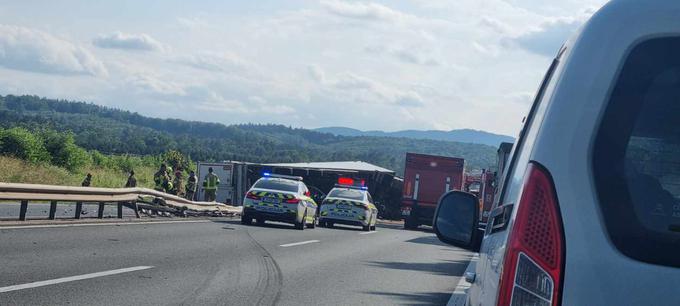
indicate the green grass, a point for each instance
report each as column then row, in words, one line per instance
column 19, row 171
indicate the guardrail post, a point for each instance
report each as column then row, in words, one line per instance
column 22, row 210
column 120, row 210
column 100, row 212
column 53, row 210
column 136, row 208
column 79, row 209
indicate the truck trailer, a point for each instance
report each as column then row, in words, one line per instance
column 426, row 179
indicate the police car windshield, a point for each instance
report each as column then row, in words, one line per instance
column 277, row 184
column 350, row 194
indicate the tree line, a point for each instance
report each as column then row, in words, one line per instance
column 113, row 131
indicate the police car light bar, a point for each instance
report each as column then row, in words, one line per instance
column 290, row 177
column 351, row 187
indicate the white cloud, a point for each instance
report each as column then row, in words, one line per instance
column 149, row 84
column 551, row 34
column 365, row 11
column 218, row 62
column 32, row 50
column 316, row 73
column 411, row 55
column 119, row 40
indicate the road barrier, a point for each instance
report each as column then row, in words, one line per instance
column 134, row 198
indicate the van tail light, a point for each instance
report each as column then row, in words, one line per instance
column 251, row 195
column 293, row 201
column 534, row 260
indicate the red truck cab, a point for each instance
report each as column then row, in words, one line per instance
column 426, row 179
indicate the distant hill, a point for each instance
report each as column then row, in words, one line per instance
column 118, row 131
column 462, row 135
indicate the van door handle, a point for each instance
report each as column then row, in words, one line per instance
column 470, row 277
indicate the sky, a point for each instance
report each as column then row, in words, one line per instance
column 370, row 65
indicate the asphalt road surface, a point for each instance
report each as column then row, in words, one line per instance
column 221, row 262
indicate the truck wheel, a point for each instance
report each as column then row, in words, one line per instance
column 410, row 225
column 246, row 220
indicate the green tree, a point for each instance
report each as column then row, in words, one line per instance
column 21, row 143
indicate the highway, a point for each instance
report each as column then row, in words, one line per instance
column 221, row 262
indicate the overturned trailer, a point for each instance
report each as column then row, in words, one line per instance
column 236, row 178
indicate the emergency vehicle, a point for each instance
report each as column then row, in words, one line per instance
column 279, row 198
column 350, row 203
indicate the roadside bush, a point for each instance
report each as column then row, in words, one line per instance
column 64, row 151
column 21, row 143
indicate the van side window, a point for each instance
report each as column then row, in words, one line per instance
column 637, row 155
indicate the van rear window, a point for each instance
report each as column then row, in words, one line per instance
column 637, row 155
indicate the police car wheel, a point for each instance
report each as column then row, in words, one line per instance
column 259, row 221
column 300, row 225
column 312, row 225
column 373, row 227
column 366, row 228
column 247, row 220
column 330, row 224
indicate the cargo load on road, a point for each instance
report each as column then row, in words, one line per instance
column 426, row 179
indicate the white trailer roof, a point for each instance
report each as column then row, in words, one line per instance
column 342, row 165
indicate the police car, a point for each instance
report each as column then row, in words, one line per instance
column 348, row 203
column 279, row 198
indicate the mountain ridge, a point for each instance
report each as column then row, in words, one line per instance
column 456, row 135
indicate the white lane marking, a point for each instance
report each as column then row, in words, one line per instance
column 71, row 278
column 98, row 224
column 459, row 295
column 367, row 233
column 298, row 243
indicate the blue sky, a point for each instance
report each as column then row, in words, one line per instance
column 389, row 65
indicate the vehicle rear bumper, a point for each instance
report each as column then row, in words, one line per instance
column 344, row 221
column 287, row 217
column 421, row 214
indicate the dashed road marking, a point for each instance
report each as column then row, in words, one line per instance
column 298, row 243
column 367, row 233
column 72, row 278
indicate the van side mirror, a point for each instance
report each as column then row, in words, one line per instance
column 456, row 220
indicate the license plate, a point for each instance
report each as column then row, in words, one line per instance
column 342, row 215
column 342, row 206
column 271, row 200
column 270, row 209
column 405, row 212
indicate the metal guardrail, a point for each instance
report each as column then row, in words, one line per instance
column 133, row 198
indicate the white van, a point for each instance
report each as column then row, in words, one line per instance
column 588, row 212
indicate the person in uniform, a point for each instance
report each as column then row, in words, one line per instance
column 87, row 181
column 161, row 179
column 192, row 183
column 131, row 181
column 178, row 184
column 210, row 183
